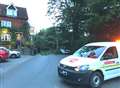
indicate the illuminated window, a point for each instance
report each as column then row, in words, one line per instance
column 6, row 23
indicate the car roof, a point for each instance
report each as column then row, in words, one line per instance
column 2, row 47
column 107, row 44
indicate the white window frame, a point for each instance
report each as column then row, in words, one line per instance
column 11, row 12
column 5, row 37
column 5, row 23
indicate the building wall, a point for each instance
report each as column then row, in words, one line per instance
column 12, row 35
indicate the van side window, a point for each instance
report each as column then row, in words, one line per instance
column 111, row 53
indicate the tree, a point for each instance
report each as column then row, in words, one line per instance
column 91, row 16
column 71, row 15
column 104, row 24
column 46, row 39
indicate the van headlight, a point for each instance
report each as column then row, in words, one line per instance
column 82, row 68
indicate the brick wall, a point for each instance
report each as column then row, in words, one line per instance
column 16, row 23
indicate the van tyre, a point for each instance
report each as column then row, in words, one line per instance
column 96, row 80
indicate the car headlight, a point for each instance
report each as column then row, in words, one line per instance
column 82, row 68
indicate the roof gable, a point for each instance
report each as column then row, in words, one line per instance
column 21, row 12
column 11, row 6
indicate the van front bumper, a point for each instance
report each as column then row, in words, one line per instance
column 73, row 76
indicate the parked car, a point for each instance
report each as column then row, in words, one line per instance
column 12, row 53
column 3, row 55
column 64, row 51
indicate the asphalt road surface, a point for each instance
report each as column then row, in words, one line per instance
column 39, row 72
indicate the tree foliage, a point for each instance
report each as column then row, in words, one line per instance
column 71, row 15
column 45, row 39
column 86, row 15
column 80, row 22
column 105, row 22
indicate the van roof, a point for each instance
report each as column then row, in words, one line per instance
column 108, row 44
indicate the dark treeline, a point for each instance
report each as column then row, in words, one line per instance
column 79, row 22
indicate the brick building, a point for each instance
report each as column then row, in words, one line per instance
column 13, row 24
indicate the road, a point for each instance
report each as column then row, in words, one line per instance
column 38, row 72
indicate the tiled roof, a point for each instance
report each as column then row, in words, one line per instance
column 21, row 12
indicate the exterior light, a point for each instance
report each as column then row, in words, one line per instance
column 4, row 31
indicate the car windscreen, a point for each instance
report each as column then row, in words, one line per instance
column 89, row 51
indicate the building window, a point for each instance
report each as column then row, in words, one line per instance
column 5, row 37
column 6, row 23
column 11, row 12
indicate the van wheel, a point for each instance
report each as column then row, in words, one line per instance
column 96, row 80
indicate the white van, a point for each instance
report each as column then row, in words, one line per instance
column 92, row 64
